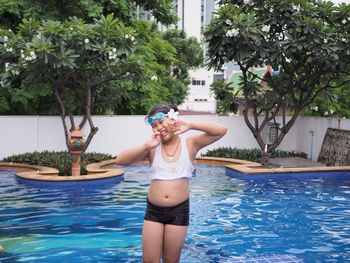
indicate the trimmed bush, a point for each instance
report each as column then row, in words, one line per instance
column 60, row 160
column 253, row 155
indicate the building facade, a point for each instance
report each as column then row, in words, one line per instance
column 194, row 16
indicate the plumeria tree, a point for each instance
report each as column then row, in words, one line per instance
column 74, row 59
column 20, row 100
column 92, row 68
column 307, row 44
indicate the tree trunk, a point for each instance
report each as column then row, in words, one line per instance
column 63, row 116
column 259, row 126
column 93, row 129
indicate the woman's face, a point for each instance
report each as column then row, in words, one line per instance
column 165, row 128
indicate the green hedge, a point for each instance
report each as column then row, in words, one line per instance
column 59, row 160
column 253, row 155
column 62, row 160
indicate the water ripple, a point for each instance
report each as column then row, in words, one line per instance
column 230, row 217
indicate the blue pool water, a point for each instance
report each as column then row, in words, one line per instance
column 234, row 218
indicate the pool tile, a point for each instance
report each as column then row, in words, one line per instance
column 268, row 259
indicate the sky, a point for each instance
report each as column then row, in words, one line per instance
column 341, row 1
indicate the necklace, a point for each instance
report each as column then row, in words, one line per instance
column 171, row 156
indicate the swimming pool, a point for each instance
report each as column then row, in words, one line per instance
column 302, row 216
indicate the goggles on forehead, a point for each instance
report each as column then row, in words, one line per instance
column 156, row 117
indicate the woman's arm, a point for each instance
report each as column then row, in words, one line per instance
column 138, row 153
column 211, row 132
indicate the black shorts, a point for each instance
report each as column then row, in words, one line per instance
column 176, row 215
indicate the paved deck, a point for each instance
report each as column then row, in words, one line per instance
column 294, row 162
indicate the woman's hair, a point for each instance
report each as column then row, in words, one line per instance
column 165, row 108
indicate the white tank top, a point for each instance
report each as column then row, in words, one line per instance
column 182, row 168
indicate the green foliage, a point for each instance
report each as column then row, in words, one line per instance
column 306, row 43
column 162, row 10
column 331, row 103
column 60, row 160
column 13, row 11
column 253, row 155
column 67, row 58
column 225, row 96
column 189, row 53
column 127, row 68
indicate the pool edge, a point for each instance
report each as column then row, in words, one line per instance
column 49, row 174
column 109, row 169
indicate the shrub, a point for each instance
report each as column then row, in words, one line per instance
column 59, row 160
column 253, row 155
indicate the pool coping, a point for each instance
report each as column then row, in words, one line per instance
column 49, row 174
column 109, row 169
column 251, row 168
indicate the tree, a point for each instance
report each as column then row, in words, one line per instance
column 225, row 96
column 106, row 66
column 307, row 43
column 124, row 96
column 72, row 58
column 189, row 54
column 136, row 95
column 13, row 11
column 169, row 55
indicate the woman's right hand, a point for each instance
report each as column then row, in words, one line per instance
column 153, row 141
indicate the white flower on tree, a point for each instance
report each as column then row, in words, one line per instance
column 266, row 28
column 7, row 66
column 232, row 33
column 296, row 7
column 112, row 54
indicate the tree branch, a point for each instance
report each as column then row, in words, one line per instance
column 63, row 115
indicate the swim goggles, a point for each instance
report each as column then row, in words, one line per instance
column 156, row 117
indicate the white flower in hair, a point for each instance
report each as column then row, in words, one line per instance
column 173, row 114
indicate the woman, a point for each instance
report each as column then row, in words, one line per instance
column 171, row 156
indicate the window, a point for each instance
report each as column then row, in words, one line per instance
column 217, row 77
column 198, row 82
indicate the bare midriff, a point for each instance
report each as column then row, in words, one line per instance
column 168, row 193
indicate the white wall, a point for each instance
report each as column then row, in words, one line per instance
column 19, row 134
column 318, row 126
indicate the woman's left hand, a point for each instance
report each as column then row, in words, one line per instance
column 181, row 126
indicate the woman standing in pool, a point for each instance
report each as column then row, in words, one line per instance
column 171, row 156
